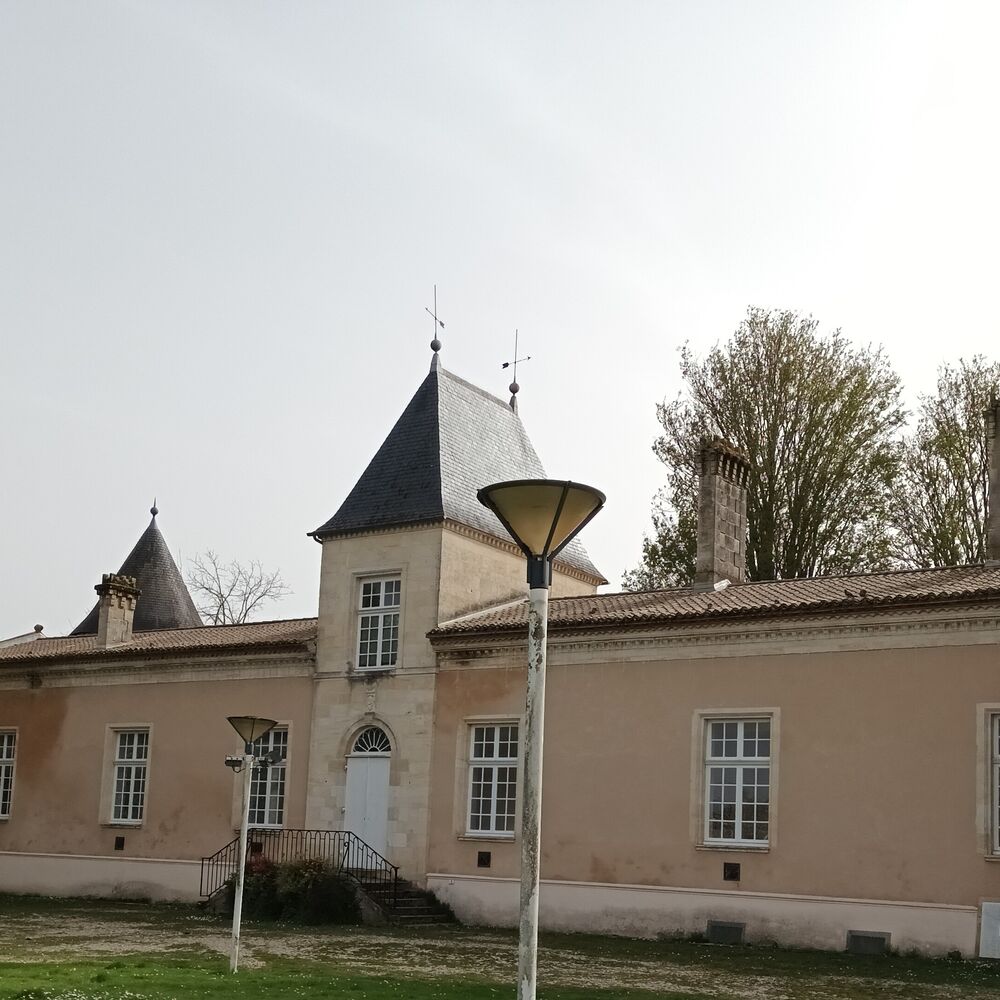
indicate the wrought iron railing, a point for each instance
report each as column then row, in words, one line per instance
column 344, row 850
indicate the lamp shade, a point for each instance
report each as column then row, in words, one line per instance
column 250, row 727
column 542, row 515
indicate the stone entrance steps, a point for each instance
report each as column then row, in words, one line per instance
column 412, row 906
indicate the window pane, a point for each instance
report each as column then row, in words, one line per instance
column 6, row 788
column 390, row 639
column 370, row 593
column 737, row 794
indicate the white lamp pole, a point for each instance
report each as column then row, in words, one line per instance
column 234, row 959
column 250, row 729
column 531, row 809
column 542, row 516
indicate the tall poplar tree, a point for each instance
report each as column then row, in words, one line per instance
column 941, row 510
column 817, row 419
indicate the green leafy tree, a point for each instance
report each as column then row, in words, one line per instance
column 817, row 419
column 941, row 512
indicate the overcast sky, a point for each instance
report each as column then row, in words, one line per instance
column 222, row 221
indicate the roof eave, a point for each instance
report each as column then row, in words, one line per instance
column 322, row 533
column 130, row 652
column 606, row 624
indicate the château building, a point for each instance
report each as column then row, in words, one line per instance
column 813, row 762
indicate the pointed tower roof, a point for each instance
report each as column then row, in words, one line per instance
column 164, row 601
column 452, row 439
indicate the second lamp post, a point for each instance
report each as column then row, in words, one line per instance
column 250, row 729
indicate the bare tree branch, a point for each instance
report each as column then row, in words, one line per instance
column 231, row 593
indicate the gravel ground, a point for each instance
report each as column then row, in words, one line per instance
column 94, row 932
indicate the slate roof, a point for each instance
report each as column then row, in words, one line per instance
column 164, row 601
column 293, row 634
column 860, row 591
column 452, row 439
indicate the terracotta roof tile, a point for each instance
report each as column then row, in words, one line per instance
column 295, row 632
column 780, row 597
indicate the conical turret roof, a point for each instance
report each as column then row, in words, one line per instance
column 452, row 439
column 164, row 601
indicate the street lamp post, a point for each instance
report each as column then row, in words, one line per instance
column 542, row 516
column 250, row 728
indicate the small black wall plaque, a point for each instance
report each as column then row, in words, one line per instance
column 730, row 871
column 119, row 843
column 484, row 859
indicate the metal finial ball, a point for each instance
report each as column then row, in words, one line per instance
column 154, row 510
column 514, row 388
column 435, row 345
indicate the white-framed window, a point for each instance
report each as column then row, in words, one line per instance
column 267, row 786
column 130, row 773
column 8, row 751
column 737, row 781
column 492, row 778
column 995, row 783
column 378, row 621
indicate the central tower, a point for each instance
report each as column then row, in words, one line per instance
column 409, row 548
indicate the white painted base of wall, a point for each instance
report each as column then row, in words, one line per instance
column 87, row 875
column 648, row 911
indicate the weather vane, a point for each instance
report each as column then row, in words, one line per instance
column 514, row 387
column 435, row 343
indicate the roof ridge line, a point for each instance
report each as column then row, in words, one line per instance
column 195, row 628
column 476, row 388
column 482, row 611
column 783, row 580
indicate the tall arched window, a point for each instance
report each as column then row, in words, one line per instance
column 372, row 740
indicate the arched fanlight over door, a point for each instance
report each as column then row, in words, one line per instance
column 372, row 740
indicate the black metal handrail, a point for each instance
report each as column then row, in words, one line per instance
column 342, row 849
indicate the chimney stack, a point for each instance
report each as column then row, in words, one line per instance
column 723, row 475
column 993, row 494
column 116, row 599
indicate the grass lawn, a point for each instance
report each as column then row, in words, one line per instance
column 100, row 950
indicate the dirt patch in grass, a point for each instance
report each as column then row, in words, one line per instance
column 96, row 931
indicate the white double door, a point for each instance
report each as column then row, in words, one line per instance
column 366, row 806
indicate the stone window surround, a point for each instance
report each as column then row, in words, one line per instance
column 698, row 803
column 359, row 576
column 987, row 794
column 463, row 770
column 108, row 771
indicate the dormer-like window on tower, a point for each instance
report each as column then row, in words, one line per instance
column 378, row 622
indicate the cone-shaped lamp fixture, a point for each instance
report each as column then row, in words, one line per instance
column 250, row 727
column 543, row 516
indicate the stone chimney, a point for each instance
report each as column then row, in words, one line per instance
column 993, row 494
column 116, row 600
column 723, row 474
